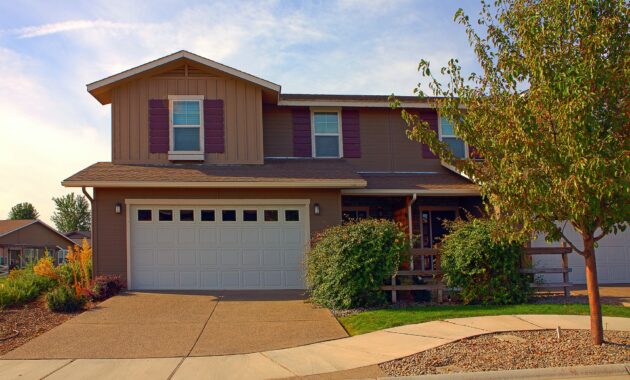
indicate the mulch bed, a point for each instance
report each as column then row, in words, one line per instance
column 515, row 350
column 20, row 324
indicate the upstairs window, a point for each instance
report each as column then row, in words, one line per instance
column 447, row 134
column 186, row 117
column 326, row 134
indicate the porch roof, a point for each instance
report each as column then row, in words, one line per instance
column 437, row 183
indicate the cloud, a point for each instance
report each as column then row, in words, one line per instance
column 69, row 26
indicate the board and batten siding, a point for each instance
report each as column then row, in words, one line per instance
column 242, row 112
column 384, row 144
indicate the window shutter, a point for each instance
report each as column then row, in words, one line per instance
column 158, row 126
column 351, row 133
column 430, row 116
column 302, row 132
column 213, row 126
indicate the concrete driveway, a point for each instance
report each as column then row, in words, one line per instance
column 154, row 325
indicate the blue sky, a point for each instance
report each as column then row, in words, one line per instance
column 49, row 50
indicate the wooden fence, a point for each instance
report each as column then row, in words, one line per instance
column 430, row 272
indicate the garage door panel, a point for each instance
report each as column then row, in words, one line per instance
column 251, row 257
column 187, row 257
column 208, row 256
column 261, row 250
column 230, row 279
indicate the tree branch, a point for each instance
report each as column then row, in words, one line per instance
column 566, row 239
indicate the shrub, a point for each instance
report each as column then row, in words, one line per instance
column 64, row 299
column 348, row 263
column 485, row 268
column 107, row 286
column 22, row 286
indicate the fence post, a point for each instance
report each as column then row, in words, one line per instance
column 565, row 271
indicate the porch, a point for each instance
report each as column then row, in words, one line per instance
column 14, row 256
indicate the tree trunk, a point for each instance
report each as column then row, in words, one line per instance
column 597, row 330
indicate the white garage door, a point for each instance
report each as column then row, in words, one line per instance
column 613, row 259
column 217, row 247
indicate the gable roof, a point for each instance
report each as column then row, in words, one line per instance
column 100, row 89
column 8, row 227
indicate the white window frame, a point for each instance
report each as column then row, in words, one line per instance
column 441, row 135
column 188, row 155
column 339, row 133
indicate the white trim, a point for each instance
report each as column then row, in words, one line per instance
column 443, row 192
column 339, row 133
column 349, row 103
column 217, row 202
column 175, row 155
column 178, row 55
column 440, row 135
column 325, row 183
column 304, row 204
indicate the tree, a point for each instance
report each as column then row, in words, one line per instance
column 72, row 213
column 549, row 116
column 24, row 210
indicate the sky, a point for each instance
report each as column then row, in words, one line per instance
column 51, row 127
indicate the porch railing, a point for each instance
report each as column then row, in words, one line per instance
column 430, row 271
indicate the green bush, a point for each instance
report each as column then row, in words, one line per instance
column 483, row 267
column 348, row 263
column 22, row 286
column 64, row 299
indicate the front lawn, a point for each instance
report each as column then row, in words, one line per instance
column 369, row 321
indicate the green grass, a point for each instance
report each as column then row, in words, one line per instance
column 385, row 318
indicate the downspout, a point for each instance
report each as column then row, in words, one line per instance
column 410, row 222
column 92, row 240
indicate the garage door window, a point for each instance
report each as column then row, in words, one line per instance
column 166, row 215
column 207, row 215
column 250, row 215
column 271, row 215
column 292, row 215
column 228, row 215
column 144, row 215
column 186, row 215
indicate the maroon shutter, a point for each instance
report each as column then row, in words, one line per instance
column 158, row 126
column 213, row 126
column 351, row 133
column 430, row 116
column 302, row 132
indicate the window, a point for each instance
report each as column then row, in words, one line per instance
column 207, row 215
column 326, row 134
column 186, row 216
column 228, row 215
column 165, row 215
column 354, row 213
column 186, row 117
column 447, row 134
column 144, row 215
column 292, row 215
column 250, row 215
column 271, row 215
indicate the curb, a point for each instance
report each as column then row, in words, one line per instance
column 533, row 373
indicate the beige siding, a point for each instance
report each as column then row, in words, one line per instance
column 243, row 116
column 384, row 144
column 34, row 235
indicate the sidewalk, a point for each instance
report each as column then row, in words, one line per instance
column 318, row 358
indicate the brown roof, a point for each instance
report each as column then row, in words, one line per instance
column 274, row 173
column 7, row 226
column 441, row 181
column 360, row 98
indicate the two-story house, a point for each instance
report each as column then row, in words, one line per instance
column 218, row 179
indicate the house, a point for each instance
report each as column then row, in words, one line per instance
column 78, row 236
column 218, row 179
column 26, row 240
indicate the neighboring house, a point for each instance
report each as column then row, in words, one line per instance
column 78, row 236
column 25, row 241
column 218, row 179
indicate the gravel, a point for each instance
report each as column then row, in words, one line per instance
column 18, row 325
column 515, row 350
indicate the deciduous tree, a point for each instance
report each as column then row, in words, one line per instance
column 548, row 114
column 72, row 213
column 24, row 210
